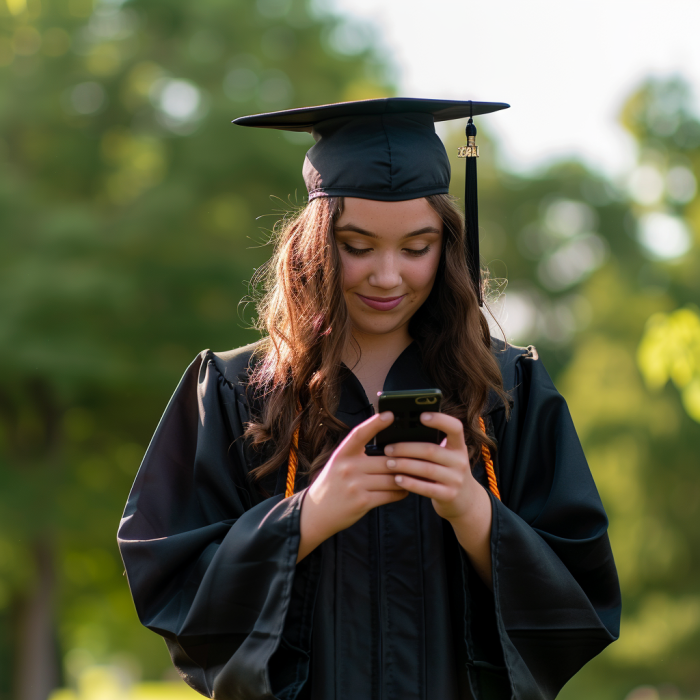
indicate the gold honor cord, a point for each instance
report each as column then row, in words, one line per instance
column 485, row 453
column 292, row 464
column 488, row 463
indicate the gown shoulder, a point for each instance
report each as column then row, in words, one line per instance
column 210, row 563
column 233, row 365
column 556, row 593
column 510, row 357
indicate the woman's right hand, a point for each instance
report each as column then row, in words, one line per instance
column 350, row 485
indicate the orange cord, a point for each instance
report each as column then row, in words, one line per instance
column 293, row 459
column 488, row 463
column 292, row 464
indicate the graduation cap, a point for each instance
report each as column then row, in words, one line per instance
column 386, row 149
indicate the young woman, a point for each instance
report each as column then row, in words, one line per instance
column 278, row 559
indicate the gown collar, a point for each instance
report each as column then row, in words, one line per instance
column 406, row 373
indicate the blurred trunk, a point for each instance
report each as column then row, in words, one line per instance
column 36, row 657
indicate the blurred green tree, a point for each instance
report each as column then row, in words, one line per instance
column 604, row 278
column 127, row 205
column 643, row 442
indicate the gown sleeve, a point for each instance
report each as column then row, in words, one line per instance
column 556, row 596
column 211, row 565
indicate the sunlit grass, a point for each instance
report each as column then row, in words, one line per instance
column 106, row 683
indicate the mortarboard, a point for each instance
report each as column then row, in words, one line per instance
column 386, row 149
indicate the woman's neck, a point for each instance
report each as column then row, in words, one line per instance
column 377, row 353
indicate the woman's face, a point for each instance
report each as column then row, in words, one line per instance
column 390, row 253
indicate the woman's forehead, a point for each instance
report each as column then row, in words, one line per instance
column 385, row 218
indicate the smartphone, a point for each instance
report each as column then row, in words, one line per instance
column 407, row 427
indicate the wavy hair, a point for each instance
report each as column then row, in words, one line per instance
column 296, row 374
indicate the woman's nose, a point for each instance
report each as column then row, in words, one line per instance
column 386, row 274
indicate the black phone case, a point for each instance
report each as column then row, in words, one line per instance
column 407, row 407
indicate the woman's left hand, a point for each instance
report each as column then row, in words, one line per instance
column 439, row 472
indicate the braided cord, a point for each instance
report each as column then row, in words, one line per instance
column 485, row 453
column 292, row 465
column 488, row 463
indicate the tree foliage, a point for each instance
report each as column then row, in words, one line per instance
column 604, row 277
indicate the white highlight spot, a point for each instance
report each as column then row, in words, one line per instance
column 180, row 104
column 573, row 261
column 681, row 185
column 663, row 237
column 179, row 99
column 646, row 185
column 567, row 218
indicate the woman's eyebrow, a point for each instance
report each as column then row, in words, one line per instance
column 357, row 229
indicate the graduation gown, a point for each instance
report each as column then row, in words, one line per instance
column 390, row 608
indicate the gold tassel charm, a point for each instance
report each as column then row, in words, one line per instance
column 471, row 150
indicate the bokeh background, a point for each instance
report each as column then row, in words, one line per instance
column 133, row 215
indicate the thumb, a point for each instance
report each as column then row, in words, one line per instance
column 359, row 436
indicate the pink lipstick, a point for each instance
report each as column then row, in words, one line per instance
column 382, row 303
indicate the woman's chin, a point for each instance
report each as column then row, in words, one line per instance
column 383, row 326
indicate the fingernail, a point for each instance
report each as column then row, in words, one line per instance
column 398, row 479
column 389, row 450
column 426, row 416
column 390, row 463
column 387, row 415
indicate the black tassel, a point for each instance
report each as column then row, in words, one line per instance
column 471, row 210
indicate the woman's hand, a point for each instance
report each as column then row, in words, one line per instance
column 350, row 485
column 443, row 474
column 439, row 472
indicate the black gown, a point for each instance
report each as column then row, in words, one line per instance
column 390, row 608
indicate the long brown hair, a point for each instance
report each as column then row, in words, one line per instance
column 297, row 371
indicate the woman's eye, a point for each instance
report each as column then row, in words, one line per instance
column 417, row 253
column 355, row 251
column 361, row 251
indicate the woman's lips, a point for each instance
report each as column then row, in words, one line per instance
column 382, row 303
